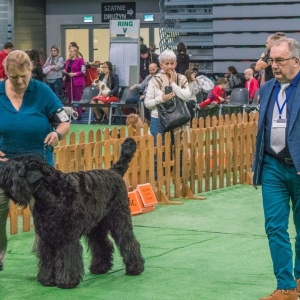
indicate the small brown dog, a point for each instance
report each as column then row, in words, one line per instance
column 134, row 120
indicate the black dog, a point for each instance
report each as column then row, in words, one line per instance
column 69, row 206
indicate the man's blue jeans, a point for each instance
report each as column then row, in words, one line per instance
column 280, row 187
column 56, row 87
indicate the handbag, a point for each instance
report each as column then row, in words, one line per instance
column 173, row 113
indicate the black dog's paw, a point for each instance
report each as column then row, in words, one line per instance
column 68, row 285
column 49, row 283
column 100, row 269
column 134, row 270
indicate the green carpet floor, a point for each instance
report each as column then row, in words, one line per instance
column 207, row 250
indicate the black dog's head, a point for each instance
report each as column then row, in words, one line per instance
column 20, row 177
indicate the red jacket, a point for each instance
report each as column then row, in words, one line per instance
column 3, row 55
column 252, row 86
column 216, row 93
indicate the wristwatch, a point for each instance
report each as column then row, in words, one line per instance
column 59, row 135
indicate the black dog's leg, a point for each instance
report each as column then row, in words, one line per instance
column 68, row 265
column 46, row 266
column 101, row 247
column 122, row 233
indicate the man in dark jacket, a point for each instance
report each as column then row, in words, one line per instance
column 147, row 57
column 183, row 59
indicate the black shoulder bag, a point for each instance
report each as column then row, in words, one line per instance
column 172, row 113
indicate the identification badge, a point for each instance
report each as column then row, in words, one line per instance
column 280, row 123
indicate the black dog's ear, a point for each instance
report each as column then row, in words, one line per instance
column 34, row 176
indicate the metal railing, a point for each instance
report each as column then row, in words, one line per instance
column 167, row 36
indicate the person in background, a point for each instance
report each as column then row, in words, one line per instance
column 152, row 47
column 146, row 58
column 255, row 73
column 37, row 70
column 8, row 47
column 74, row 45
column 196, row 71
column 262, row 63
column 53, row 70
column 251, row 83
column 153, row 69
column 183, row 60
column 217, row 96
column 112, row 81
column 276, row 165
column 233, row 80
column 156, row 91
column 195, row 89
column 74, row 71
column 32, row 121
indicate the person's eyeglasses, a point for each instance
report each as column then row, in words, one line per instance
column 104, row 67
column 278, row 61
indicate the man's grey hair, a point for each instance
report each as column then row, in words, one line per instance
column 294, row 46
column 167, row 55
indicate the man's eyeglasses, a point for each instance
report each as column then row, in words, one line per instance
column 278, row 61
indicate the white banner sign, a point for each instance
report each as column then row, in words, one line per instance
column 127, row 27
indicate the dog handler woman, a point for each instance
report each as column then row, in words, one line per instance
column 29, row 111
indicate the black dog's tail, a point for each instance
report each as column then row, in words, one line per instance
column 127, row 152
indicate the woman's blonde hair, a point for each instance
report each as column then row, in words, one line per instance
column 17, row 60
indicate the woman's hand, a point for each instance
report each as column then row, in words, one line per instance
column 52, row 139
column 72, row 74
column 171, row 75
column 167, row 97
column 2, row 156
column 132, row 88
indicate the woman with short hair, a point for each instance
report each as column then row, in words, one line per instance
column 156, row 91
column 32, row 121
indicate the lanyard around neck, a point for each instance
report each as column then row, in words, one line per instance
column 280, row 108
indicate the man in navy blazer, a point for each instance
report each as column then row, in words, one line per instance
column 278, row 171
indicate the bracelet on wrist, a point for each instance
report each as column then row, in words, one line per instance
column 59, row 135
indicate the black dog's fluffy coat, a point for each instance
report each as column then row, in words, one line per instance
column 71, row 205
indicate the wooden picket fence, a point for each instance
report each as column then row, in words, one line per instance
column 219, row 154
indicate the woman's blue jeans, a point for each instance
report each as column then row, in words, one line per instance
column 280, row 187
column 56, row 87
column 155, row 129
